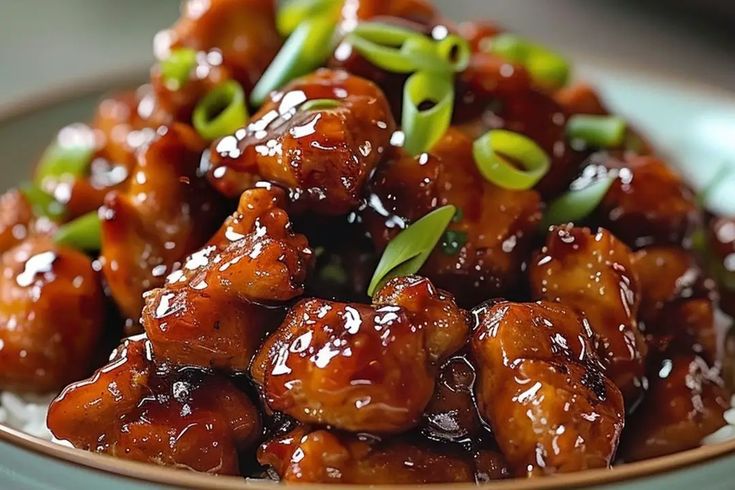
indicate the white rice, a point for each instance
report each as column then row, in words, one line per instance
column 727, row 432
column 26, row 413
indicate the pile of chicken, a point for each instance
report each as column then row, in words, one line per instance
column 260, row 353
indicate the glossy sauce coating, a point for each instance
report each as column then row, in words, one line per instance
column 156, row 413
column 322, row 456
column 214, row 311
column 648, row 203
column 594, row 275
column 323, row 156
column 16, row 219
column 361, row 367
column 234, row 39
column 684, row 403
column 52, row 316
column 490, row 237
column 542, row 389
column 165, row 212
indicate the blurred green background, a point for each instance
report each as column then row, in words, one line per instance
column 47, row 43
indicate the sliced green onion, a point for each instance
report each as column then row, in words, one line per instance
column 491, row 152
column 401, row 50
column 577, row 204
column 221, row 112
column 304, row 51
column 408, row 251
column 455, row 51
column 42, row 203
column 64, row 160
column 177, row 68
column 424, row 126
column 453, row 241
column 294, row 12
column 320, row 104
column 596, row 131
column 546, row 67
column 83, row 233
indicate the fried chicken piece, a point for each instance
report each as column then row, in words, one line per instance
column 214, row 312
column 234, row 39
column 52, row 314
column 417, row 11
column 647, row 204
column 361, row 367
column 684, row 403
column 542, row 389
column 165, row 212
column 678, row 301
column 16, row 219
column 135, row 409
column 323, row 156
column 323, row 456
column 482, row 253
column 594, row 275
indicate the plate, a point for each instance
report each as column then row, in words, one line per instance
column 693, row 125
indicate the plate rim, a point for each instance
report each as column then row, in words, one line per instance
column 130, row 77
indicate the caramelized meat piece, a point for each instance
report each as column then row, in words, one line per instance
column 452, row 416
column 541, row 387
column 361, row 367
column 418, row 11
column 165, row 212
column 594, row 275
column 234, row 39
column 323, row 456
column 677, row 301
column 720, row 236
column 483, row 253
column 214, row 312
column 133, row 409
column 580, row 98
column 684, row 403
column 16, row 219
column 52, row 313
column 648, row 203
column 323, row 156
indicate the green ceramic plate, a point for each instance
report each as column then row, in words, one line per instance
column 693, row 125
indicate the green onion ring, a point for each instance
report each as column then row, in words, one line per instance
column 177, row 68
column 83, row 233
column 320, row 104
column 489, row 149
column 577, row 204
column 63, row 161
column 294, row 12
column 424, row 127
column 221, row 112
column 596, row 131
column 455, row 51
column 546, row 67
column 304, row 51
column 408, row 250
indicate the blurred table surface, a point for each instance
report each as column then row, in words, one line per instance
column 51, row 43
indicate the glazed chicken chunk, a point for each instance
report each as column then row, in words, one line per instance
column 135, row 409
column 542, row 389
column 323, row 456
column 165, row 212
column 214, row 311
column 594, row 275
column 361, row 367
column 52, row 316
column 323, row 155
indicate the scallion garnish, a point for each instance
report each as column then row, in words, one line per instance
column 408, row 251
column 596, row 131
column 320, row 104
column 69, row 159
column 493, row 150
column 83, row 233
column 577, row 203
column 294, row 12
column 546, row 67
column 42, row 204
column 221, row 112
column 177, row 68
column 455, row 51
column 304, row 51
column 428, row 100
